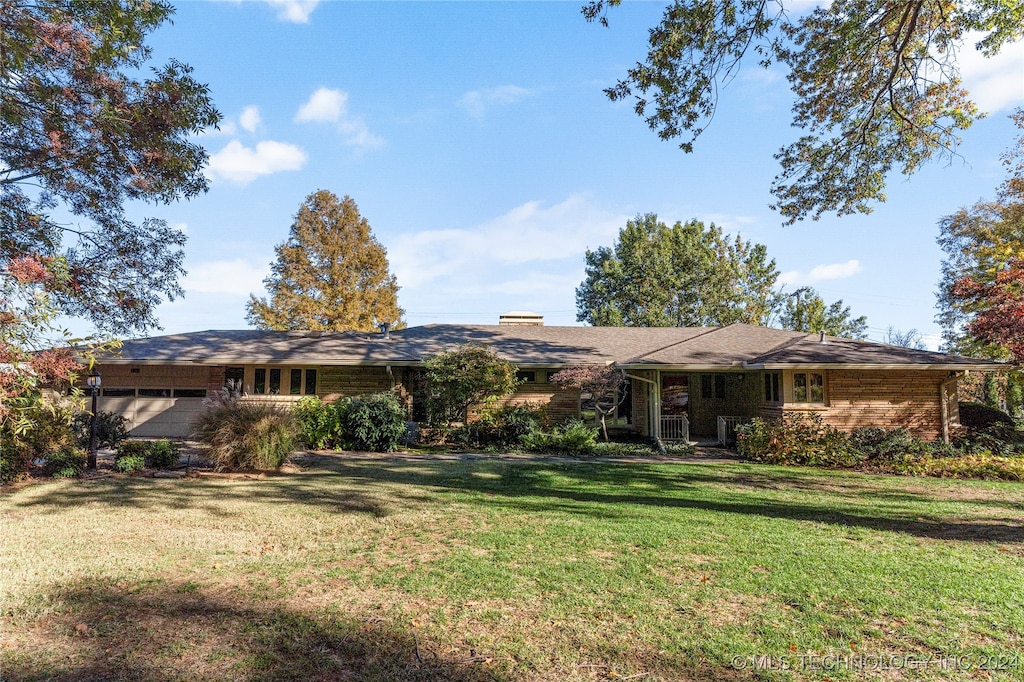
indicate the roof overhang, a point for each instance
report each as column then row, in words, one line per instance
column 989, row 367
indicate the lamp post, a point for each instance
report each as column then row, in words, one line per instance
column 93, row 382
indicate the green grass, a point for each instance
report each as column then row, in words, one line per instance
column 391, row 569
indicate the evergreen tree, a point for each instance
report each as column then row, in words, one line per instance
column 331, row 274
column 688, row 275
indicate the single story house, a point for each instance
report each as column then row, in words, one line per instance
column 685, row 383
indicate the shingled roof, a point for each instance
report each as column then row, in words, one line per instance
column 735, row 346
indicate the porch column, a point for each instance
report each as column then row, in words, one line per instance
column 655, row 407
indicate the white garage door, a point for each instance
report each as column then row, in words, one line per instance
column 156, row 416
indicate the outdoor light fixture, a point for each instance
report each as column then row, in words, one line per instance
column 93, row 381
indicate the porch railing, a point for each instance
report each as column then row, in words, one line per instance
column 675, row 428
column 727, row 429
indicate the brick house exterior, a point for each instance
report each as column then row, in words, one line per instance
column 684, row 382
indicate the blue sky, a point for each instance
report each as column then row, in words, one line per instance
column 477, row 141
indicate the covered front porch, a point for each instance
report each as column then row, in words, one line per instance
column 695, row 406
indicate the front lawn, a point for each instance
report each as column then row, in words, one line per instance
column 486, row 569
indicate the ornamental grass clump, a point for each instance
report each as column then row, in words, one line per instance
column 246, row 434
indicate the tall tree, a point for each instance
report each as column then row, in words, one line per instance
column 331, row 274
column 83, row 132
column 981, row 293
column 806, row 311
column 876, row 84
column 688, row 275
column 984, row 248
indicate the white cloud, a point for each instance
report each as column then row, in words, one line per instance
column 231, row 277
column 324, row 106
column 180, row 227
column 327, row 105
column 477, row 102
column 240, row 164
column 820, row 273
column 295, row 11
column 528, row 234
column 995, row 83
column 250, row 119
column 355, row 133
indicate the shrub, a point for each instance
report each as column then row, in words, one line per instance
column 15, row 461
column 795, row 439
column 318, row 423
column 498, row 427
column 375, row 422
column 162, row 454
column 157, row 454
column 111, row 429
column 471, row 374
column 574, row 437
column 878, row 445
column 506, row 425
column 50, row 432
column 246, row 434
column 986, row 466
column 132, row 448
column 129, row 464
column 979, row 417
column 65, row 462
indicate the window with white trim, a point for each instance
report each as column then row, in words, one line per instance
column 809, row 387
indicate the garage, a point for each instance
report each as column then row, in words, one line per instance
column 157, row 401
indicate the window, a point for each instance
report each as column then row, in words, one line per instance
column 118, row 392
column 550, row 375
column 278, row 380
column 528, row 377
column 772, row 393
column 808, row 387
column 712, row 386
column 190, row 393
column 154, row 393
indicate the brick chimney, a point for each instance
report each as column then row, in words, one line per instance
column 520, row 318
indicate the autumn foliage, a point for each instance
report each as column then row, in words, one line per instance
column 1000, row 308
